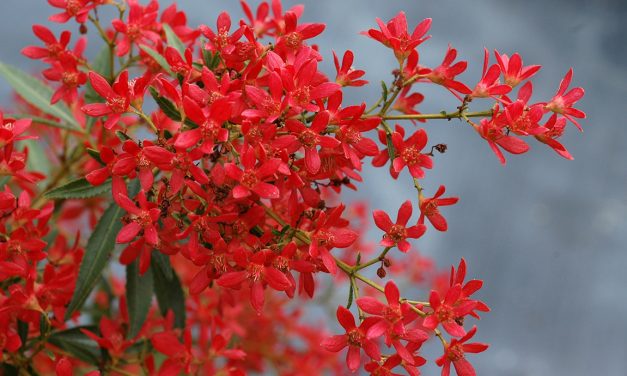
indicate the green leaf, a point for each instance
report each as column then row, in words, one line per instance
column 38, row 160
column 168, row 290
column 168, row 108
column 158, row 58
column 22, row 331
column 95, row 154
column 102, row 66
column 384, row 91
column 122, row 136
column 9, row 370
column 351, row 294
column 162, row 262
column 139, row 290
column 211, row 59
column 78, row 344
column 41, row 120
column 99, row 248
column 79, row 188
column 173, row 39
column 37, row 93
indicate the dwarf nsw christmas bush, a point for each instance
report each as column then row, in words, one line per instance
column 221, row 197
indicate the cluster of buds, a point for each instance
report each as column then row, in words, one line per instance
column 224, row 196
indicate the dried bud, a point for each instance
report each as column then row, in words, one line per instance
column 381, row 272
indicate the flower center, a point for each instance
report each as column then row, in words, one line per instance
column 249, row 179
column 429, row 208
column 301, row 95
column 70, row 79
column 73, row 7
column 354, row 337
column 397, row 233
column 411, row 156
column 293, row 40
column 117, row 104
column 455, row 353
column 308, row 138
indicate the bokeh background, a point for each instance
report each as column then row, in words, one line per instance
column 547, row 235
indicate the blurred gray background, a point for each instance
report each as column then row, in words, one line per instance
column 547, row 235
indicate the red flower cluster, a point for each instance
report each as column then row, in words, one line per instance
column 224, row 195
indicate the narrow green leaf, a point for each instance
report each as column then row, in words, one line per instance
column 162, row 262
column 95, row 154
column 122, row 136
column 173, row 39
column 22, row 331
column 9, row 370
column 158, row 58
column 37, row 93
column 168, row 108
column 168, row 290
column 41, row 120
column 102, row 66
column 99, row 248
column 351, row 294
column 384, row 91
column 78, row 344
column 139, row 289
column 38, row 160
column 79, row 188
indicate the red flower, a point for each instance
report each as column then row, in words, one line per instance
column 355, row 338
column 54, row 48
column 495, row 135
column 180, row 356
column 555, row 128
column 445, row 73
column 138, row 27
column 429, row 208
column 489, row 86
column 78, row 9
column 408, row 153
column 346, row 74
column 113, row 337
column 9, row 339
column 118, row 98
column 449, row 311
column 209, row 128
column 469, row 288
column 562, row 103
column 64, row 367
column 303, row 85
column 294, row 35
column 269, row 104
column 11, row 130
column 258, row 272
column 455, row 353
column 520, row 118
column 65, row 71
column 330, row 232
column 222, row 41
column 396, row 234
column 407, row 103
column 308, row 139
column 391, row 320
column 141, row 218
column 513, row 68
column 395, row 35
column 252, row 178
